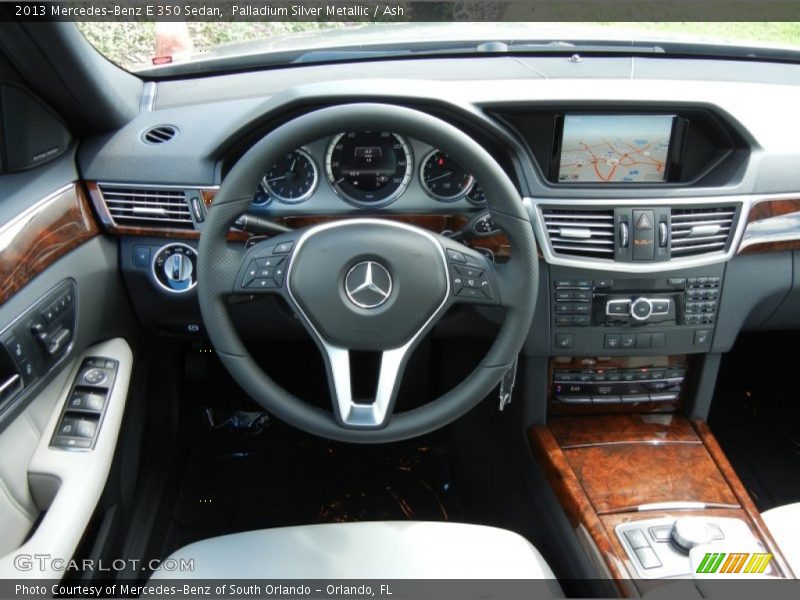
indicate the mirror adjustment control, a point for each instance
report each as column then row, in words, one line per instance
column 95, row 376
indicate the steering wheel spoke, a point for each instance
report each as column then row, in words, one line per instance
column 365, row 412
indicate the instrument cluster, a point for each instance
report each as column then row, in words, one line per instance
column 368, row 170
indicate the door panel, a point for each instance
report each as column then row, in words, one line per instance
column 51, row 240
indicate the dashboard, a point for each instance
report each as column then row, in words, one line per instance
column 663, row 194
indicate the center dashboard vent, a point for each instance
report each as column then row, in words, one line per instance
column 582, row 232
column 701, row 230
column 147, row 207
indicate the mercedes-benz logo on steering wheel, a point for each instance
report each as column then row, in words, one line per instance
column 368, row 284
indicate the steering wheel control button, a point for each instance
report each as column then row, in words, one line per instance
column 456, row 256
column 368, row 284
column 264, row 273
column 95, row 376
column 271, row 262
column 283, row 248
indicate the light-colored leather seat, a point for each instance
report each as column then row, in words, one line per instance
column 369, row 550
column 783, row 523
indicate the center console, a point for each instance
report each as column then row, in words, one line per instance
column 652, row 498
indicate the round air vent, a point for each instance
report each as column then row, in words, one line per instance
column 160, row 134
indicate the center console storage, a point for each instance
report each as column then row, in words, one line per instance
column 648, row 495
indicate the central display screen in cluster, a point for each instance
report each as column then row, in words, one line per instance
column 615, row 148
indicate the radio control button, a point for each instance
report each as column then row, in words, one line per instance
column 660, row 306
column 618, row 307
column 641, row 309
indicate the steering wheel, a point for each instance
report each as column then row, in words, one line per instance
column 367, row 284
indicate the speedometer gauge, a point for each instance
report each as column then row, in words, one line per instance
column 443, row 178
column 369, row 168
column 293, row 177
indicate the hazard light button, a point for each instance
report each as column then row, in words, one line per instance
column 643, row 234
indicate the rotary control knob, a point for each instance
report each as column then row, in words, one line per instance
column 688, row 532
column 641, row 309
column 175, row 267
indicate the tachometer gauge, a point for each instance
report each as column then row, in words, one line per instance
column 293, row 178
column 476, row 196
column 369, row 168
column 443, row 178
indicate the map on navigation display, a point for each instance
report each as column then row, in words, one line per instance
column 615, row 148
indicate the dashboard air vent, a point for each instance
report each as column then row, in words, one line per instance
column 701, row 230
column 147, row 207
column 160, row 134
column 582, row 232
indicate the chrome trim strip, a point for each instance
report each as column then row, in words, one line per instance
column 157, row 186
column 743, row 201
column 147, row 102
column 353, row 414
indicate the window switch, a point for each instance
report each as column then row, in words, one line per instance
column 77, row 401
column 94, row 402
column 68, row 427
column 86, row 428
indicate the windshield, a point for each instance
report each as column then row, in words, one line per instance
column 161, row 46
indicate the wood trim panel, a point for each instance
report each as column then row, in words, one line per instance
column 622, row 477
column 601, row 466
column 630, row 428
column 498, row 244
column 41, row 235
column 736, row 485
column 578, row 506
column 772, row 226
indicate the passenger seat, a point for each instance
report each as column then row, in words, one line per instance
column 783, row 523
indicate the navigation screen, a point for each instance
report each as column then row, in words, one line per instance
column 615, row 148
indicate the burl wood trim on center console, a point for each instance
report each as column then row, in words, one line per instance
column 603, row 468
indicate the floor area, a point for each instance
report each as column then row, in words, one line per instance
column 755, row 416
